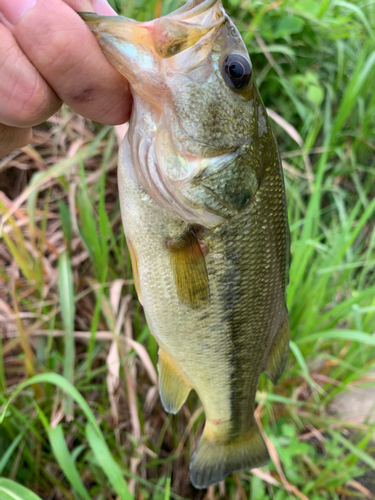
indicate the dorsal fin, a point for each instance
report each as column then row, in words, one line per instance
column 279, row 352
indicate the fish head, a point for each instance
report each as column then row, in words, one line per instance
column 196, row 105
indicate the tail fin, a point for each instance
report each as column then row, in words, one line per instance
column 214, row 460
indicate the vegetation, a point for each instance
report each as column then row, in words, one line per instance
column 80, row 412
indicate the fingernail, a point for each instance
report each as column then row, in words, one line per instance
column 13, row 10
column 102, row 7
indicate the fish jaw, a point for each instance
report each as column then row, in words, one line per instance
column 140, row 50
column 127, row 45
column 193, row 8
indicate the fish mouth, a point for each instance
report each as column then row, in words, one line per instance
column 144, row 52
column 136, row 48
column 212, row 10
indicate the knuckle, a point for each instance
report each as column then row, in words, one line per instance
column 25, row 98
column 7, row 136
column 12, row 138
column 33, row 102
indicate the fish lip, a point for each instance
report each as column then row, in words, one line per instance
column 194, row 8
column 95, row 23
column 144, row 30
column 92, row 17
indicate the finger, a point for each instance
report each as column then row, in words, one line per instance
column 25, row 98
column 12, row 138
column 62, row 48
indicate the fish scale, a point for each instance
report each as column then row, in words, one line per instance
column 203, row 207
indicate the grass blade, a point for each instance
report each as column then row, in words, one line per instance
column 66, row 223
column 66, row 292
column 10, row 490
column 302, row 364
column 354, row 335
column 107, row 463
column 67, row 464
column 59, row 381
column 9, row 452
column 365, row 457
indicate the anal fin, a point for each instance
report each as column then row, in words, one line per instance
column 173, row 389
column 280, row 350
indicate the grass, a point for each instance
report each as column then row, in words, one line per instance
column 80, row 412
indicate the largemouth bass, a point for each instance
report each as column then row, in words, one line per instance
column 203, row 208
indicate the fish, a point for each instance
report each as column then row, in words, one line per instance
column 204, row 213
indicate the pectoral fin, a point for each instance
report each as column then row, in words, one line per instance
column 279, row 352
column 133, row 258
column 189, row 270
column 173, row 389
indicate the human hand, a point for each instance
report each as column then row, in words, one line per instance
column 48, row 55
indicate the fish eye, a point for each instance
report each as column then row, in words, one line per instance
column 236, row 71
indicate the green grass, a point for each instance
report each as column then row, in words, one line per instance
column 80, row 413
